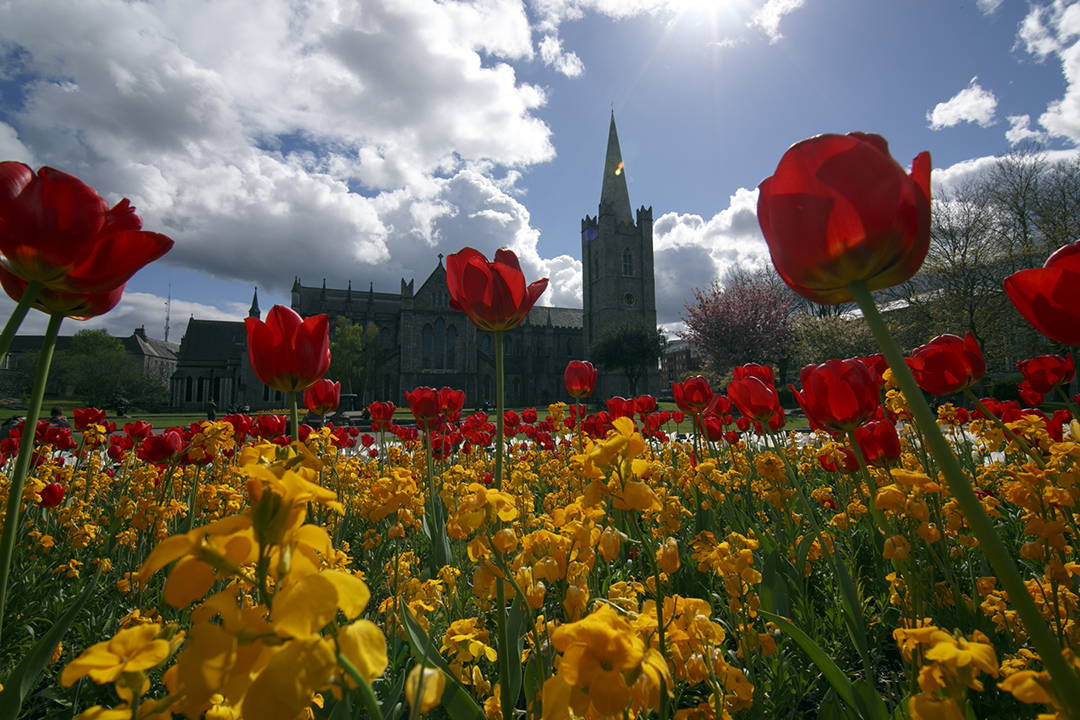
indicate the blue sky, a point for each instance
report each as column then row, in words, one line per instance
column 357, row 140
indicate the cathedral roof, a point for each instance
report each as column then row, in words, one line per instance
column 556, row 317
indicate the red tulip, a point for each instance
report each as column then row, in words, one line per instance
column 692, row 395
column 849, row 464
column 712, row 427
column 878, row 441
column 839, row 395
column 241, row 425
column 619, row 407
column 492, row 294
column 580, row 378
column 425, row 406
column 55, row 230
column 1029, row 395
column 81, row 306
column 528, row 415
column 753, row 392
column 840, row 209
column 269, row 427
column 323, row 397
column 451, row 401
column 288, row 352
column 1043, row 373
column 85, row 417
column 159, row 448
column 877, row 366
column 1049, row 297
column 51, row 495
column 138, row 429
column 645, row 404
column 947, row 364
column 382, row 415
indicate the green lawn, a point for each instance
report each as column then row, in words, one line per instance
column 164, row 420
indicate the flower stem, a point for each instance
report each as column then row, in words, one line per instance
column 498, row 408
column 294, row 417
column 22, row 463
column 1066, row 684
column 17, row 315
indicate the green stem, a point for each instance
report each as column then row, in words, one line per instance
column 294, row 417
column 498, row 408
column 1066, row 685
column 22, row 463
column 17, row 316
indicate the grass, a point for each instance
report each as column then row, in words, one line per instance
column 165, row 420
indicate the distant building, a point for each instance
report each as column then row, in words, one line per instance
column 425, row 342
column 679, row 358
column 157, row 358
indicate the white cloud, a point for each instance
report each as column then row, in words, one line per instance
column 553, row 55
column 972, row 104
column 988, row 7
column 1054, row 30
column 134, row 311
column 1020, row 129
column 12, row 149
column 767, row 18
column 691, row 252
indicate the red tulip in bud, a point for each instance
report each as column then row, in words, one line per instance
column 51, row 495
column 287, row 352
column 580, row 378
column 323, row 397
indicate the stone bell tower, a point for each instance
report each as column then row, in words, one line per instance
column 617, row 267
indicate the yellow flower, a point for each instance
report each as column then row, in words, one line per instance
column 427, row 685
column 364, row 645
column 596, row 652
column 133, row 650
column 667, row 556
column 307, row 606
column 288, row 683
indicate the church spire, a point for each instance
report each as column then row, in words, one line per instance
column 254, row 312
column 614, row 197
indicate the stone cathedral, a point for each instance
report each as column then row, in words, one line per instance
column 425, row 342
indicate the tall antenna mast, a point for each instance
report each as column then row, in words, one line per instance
column 168, row 304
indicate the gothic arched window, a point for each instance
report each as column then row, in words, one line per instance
column 627, row 263
column 485, row 344
column 428, row 338
column 451, row 348
column 440, row 338
column 384, row 337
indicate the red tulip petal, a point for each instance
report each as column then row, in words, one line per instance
column 114, row 260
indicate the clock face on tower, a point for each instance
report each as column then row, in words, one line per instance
column 628, row 298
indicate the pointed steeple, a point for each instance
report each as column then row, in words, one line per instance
column 254, row 312
column 348, row 293
column 614, row 197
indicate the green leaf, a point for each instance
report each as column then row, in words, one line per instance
column 515, row 631
column 869, row 702
column 824, row 663
column 26, row 674
column 852, row 608
column 393, row 698
column 459, row 702
column 773, row 590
